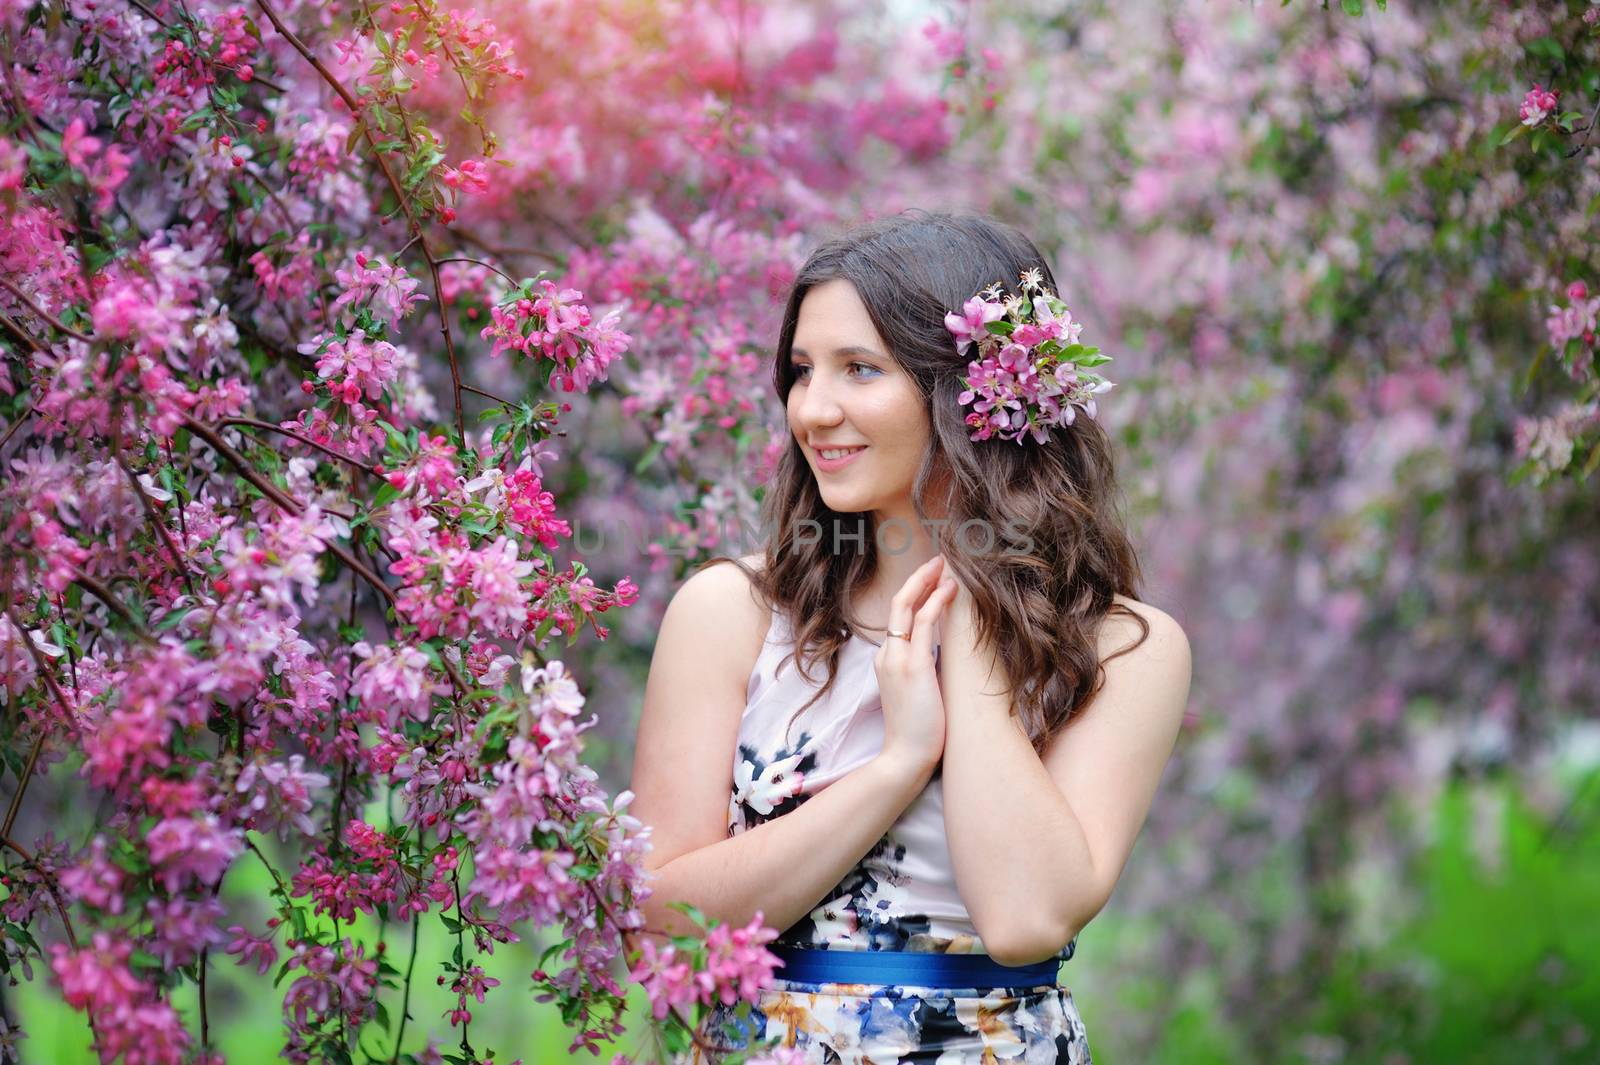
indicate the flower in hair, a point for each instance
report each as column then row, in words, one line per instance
column 1029, row 372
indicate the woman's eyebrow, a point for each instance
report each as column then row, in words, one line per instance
column 851, row 349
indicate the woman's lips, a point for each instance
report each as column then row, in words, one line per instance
column 835, row 465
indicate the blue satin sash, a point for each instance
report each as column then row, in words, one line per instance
column 913, row 968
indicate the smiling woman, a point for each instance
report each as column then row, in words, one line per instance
column 931, row 824
column 854, row 409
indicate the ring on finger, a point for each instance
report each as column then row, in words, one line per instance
column 901, row 635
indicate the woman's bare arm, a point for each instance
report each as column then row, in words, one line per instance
column 683, row 777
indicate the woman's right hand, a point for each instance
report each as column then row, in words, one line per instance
column 913, row 708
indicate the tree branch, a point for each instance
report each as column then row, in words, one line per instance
column 282, row 499
column 40, row 313
column 106, row 596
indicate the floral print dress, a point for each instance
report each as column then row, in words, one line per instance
column 901, row 896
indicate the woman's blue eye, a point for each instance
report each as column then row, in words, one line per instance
column 800, row 368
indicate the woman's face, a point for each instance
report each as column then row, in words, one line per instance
column 849, row 393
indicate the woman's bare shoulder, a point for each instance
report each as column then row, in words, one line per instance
column 1119, row 629
column 721, row 606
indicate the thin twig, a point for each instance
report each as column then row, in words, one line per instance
column 258, row 424
column 282, row 499
column 105, row 595
column 21, row 334
column 489, row 395
column 22, row 781
column 40, row 312
column 50, row 886
column 405, row 998
column 1587, row 132
column 158, row 524
column 14, row 426
column 479, row 262
column 43, row 666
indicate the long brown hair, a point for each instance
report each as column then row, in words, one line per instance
column 1060, row 550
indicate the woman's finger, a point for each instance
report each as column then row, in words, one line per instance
column 938, row 599
column 902, row 608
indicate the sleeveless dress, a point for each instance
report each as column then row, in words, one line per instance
column 901, row 896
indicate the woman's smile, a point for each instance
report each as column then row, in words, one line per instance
column 832, row 460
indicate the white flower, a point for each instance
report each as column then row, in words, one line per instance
column 773, row 785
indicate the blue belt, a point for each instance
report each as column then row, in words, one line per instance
column 913, row 968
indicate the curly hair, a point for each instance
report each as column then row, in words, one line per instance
column 1047, row 579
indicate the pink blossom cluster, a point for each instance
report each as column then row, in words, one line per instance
column 1538, row 105
column 277, row 796
column 1547, row 445
column 738, row 965
column 1032, row 373
column 1576, row 321
column 521, row 500
column 334, row 987
column 134, row 1024
column 370, row 280
column 558, row 326
column 397, row 677
column 105, row 167
column 354, row 366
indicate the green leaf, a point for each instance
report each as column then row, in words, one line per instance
column 1591, row 462
column 384, row 495
column 1516, row 131
column 691, row 910
column 1533, row 368
column 1547, row 48
column 1000, row 328
column 1351, row 7
column 648, row 457
column 172, row 620
column 554, row 949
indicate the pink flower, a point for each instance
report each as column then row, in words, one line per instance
column 373, row 279
column 279, row 795
column 76, row 145
column 738, row 964
column 198, row 848
column 396, row 679
column 667, row 979
column 365, row 366
column 251, row 948
column 472, row 176
column 95, row 880
column 1537, row 105
column 971, row 324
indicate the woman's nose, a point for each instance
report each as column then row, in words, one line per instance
column 818, row 406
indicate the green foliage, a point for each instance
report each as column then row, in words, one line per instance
column 1481, row 953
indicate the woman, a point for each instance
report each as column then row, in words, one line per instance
column 932, row 820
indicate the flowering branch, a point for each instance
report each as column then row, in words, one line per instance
column 256, row 423
column 400, row 195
